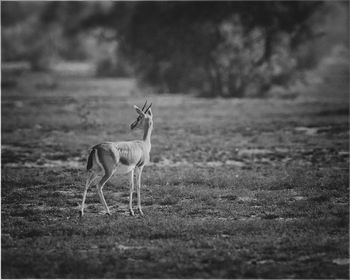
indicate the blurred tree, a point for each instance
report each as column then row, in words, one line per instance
column 20, row 34
column 217, row 48
column 229, row 48
column 44, row 32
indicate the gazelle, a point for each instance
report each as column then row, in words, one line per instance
column 121, row 158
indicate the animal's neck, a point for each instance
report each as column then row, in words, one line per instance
column 147, row 134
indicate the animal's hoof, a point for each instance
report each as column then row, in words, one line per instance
column 81, row 213
column 131, row 212
column 141, row 213
column 108, row 214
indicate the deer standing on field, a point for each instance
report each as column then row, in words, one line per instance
column 121, row 158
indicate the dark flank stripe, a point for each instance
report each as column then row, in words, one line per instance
column 124, row 161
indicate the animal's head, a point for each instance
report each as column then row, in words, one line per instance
column 144, row 118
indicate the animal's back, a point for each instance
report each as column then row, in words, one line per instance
column 132, row 153
column 122, row 156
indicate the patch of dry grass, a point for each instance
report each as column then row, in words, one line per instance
column 282, row 213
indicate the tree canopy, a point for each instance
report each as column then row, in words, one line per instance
column 223, row 48
column 218, row 48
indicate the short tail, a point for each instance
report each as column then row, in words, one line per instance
column 89, row 162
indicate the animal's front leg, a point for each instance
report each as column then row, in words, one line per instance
column 131, row 192
column 139, row 172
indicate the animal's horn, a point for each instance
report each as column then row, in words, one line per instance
column 148, row 108
column 144, row 105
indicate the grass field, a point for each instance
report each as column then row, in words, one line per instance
column 244, row 188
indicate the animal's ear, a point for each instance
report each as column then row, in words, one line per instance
column 149, row 112
column 139, row 111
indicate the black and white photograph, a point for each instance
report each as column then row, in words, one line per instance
column 175, row 139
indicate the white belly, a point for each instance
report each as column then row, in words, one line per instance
column 123, row 169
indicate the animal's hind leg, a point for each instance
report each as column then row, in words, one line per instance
column 89, row 181
column 100, row 185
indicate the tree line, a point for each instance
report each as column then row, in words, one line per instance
column 228, row 49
